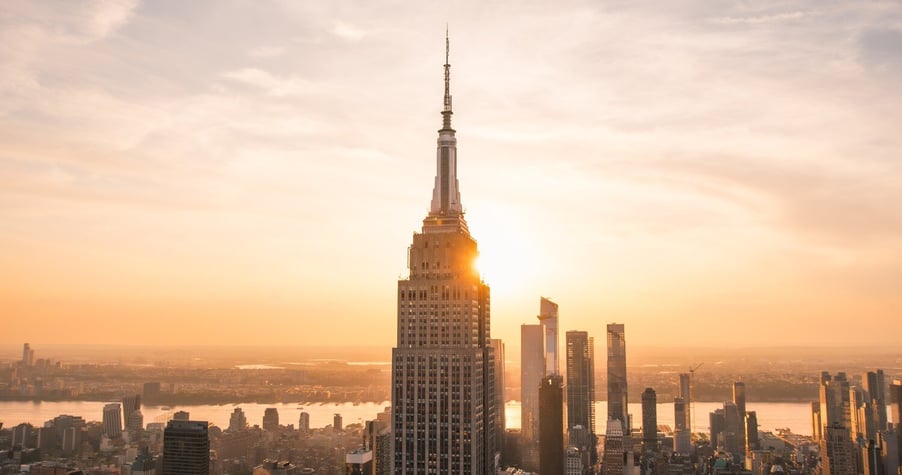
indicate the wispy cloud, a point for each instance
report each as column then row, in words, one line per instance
column 270, row 84
column 267, row 51
column 347, row 31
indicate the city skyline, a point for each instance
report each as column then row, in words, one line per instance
column 228, row 179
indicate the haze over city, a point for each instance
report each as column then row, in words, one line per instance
column 254, row 174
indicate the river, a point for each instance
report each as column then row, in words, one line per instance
column 771, row 415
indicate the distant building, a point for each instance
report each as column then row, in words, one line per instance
column 548, row 318
column 580, row 351
column 186, row 448
column 574, row 462
column 532, row 370
column 739, row 401
column 272, row 467
column 716, row 423
column 650, row 420
column 500, row 423
column 679, row 414
column 134, row 424
column 112, row 420
column 144, row 464
column 22, row 435
column 359, row 462
column 837, row 455
column 304, row 422
column 129, row 405
column 618, row 402
column 551, row 425
column 686, row 395
column 834, row 400
column 151, row 390
column 27, row 355
column 751, row 432
column 874, row 383
column 337, row 424
column 817, row 423
column 237, row 421
column 733, row 427
column 270, row 418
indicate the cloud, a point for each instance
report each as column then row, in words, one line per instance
column 762, row 19
column 270, row 84
column 348, row 32
column 881, row 48
column 267, row 51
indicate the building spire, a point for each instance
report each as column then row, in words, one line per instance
column 446, row 111
column 446, row 212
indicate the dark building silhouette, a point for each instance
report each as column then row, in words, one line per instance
column 500, row 422
column 716, row 422
column 551, row 426
column 532, row 370
column 186, row 448
column 270, row 418
column 581, row 392
column 618, row 402
column 751, row 431
column 443, row 396
column 739, row 401
column 650, row 420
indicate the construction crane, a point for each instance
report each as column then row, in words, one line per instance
column 691, row 397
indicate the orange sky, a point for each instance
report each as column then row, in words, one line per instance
column 180, row 173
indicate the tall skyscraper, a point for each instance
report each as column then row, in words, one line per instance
column 532, row 370
column 618, row 403
column 27, row 355
column 874, row 382
column 551, row 425
column 337, row 424
column 443, row 397
column 112, row 421
column 613, row 448
column 548, row 317
column 686, row 394
column 739, row 401
column 186, row 448
column 751, row 431
column 581, row 391
column 500, row 423
column 679, row 413
column 835, row 404
column 650, row 420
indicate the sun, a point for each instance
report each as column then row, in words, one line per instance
column 506, row 265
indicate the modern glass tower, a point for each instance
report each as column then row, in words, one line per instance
column 443, row 398
column 618, row 402
column 581, row 391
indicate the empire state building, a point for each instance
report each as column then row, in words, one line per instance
column 443, row 401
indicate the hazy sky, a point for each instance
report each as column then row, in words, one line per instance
column 227, row 172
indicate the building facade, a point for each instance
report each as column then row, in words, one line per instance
column 551, row 425
column 186, row 448
column 581, row 391
column 618, row 402
column 532, row 370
